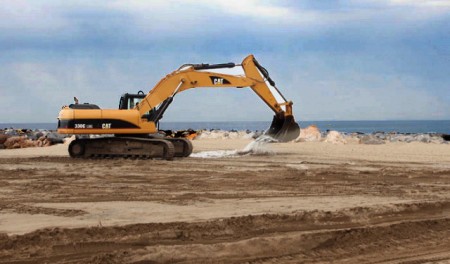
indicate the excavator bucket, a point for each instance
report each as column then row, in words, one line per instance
column 283, row 128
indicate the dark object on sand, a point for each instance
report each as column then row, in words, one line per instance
column 446, row 137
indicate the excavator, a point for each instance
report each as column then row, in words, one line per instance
column 132, row 130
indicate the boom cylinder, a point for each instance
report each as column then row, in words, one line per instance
column 213, row 66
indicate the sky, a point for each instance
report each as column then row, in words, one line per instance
column 336, row 60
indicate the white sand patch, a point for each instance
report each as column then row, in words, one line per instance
column 214, row 154
column 258, row 146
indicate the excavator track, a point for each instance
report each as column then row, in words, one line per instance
column 122, row 147
column 183, row 147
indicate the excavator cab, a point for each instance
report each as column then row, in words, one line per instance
column 129, row 101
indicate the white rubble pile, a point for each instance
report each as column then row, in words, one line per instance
column 23, row 138
column 313, row 134
column 383, row 138
column 258, row 146
column 309, row 134
column 223, row 134
column 335, row 137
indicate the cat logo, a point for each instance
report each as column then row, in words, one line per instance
column 106, row 125
column 218, row 80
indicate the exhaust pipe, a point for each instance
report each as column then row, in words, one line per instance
column 283, row 128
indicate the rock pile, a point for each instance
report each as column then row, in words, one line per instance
column 312, row 133
column 223, row 134
column 309, row 134
column 335, row 138
column 25, row 138
column 382, row 138
column 371, row 140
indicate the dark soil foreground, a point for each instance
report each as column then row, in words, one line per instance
column 360, row 211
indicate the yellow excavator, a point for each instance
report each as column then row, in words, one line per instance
column 132, row 130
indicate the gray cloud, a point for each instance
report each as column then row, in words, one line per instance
column 359, row 60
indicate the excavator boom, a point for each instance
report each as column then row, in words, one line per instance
column 141, row 118
column 283, row 128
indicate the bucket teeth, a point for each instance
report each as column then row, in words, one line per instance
column 283, row 128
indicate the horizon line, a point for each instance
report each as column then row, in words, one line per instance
column 356, row 120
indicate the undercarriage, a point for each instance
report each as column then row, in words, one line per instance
column 130, row 147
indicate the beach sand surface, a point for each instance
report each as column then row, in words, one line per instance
column 278, row 203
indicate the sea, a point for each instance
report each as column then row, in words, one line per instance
column 399, row 126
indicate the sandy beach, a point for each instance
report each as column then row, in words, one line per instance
column 286, row 202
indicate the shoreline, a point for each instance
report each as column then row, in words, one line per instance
column 363, row 126
column 25, row 138
column 306, row 152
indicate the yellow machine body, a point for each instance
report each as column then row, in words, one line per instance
column 143, row 117
column 103, row 121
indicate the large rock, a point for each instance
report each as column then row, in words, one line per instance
column 425, row 138
column 371, row 140
column 34, row 135
column 437, row 140
column 13, row 142
column 211, row 134
column 309, row 134
column 19, row 142
column 55, row 138
column 352, row 139
column 11, row 132
column 43, row 142
column 401, row 138
column 380, row 135
column 3, row 138
column 335, row 138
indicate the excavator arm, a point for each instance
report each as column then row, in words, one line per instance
column 283, row 128
column 133, row 129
